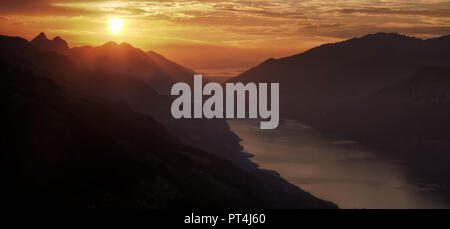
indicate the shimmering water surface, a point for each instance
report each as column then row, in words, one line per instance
column 338, row 171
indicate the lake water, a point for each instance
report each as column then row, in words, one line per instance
column 338, row 171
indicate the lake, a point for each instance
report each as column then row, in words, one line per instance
column 339, row 171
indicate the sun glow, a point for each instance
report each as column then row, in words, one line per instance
column 115, row 25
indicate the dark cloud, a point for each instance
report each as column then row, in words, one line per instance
column 39, row 7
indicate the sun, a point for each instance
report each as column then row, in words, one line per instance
column 115, row 25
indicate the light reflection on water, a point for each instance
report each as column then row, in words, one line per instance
column 338, row 171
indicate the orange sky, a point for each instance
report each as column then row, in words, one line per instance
column 225, row 36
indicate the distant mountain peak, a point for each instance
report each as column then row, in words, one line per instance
column 110, row 44
column 122, row 47
column 58, row 38
column 42, row 34
column 270, row 60
column 56, row 45
column 121, row 58
column 59, row 42
column 115, row 45
column 388, row 36
column 385, row 34
column 124, row 44
column 40, row 37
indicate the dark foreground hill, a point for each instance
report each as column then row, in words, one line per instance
column 68, row 147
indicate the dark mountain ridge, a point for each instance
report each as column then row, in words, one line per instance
column 171, row 67
column 111, row 57
column 336, row 74
column 67, row 143
column 387, row 91
column 127, row 89
column 57, row 44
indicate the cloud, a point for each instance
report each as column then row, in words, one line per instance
column 38, row 7
column 256, row 24
column 411, row 12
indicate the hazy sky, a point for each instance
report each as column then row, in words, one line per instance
column 223, row 34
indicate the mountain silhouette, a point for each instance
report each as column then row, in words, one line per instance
column 201, row 133
column 71, row 139
column 389, row 92
column 334, row 75
column 57, row 44
column 342, row 72
column 111, row 57
column 22, row 54
column 176, row 70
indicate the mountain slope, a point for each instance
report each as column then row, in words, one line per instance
column 213, row 136
column 56, row 45
column 414, row 108
column 389, row 92
column 151, row 68
column 63, row 150
column 177, row 72
column 22, row 54
column 124, row 59
column 335, row 74
column 408, row 121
